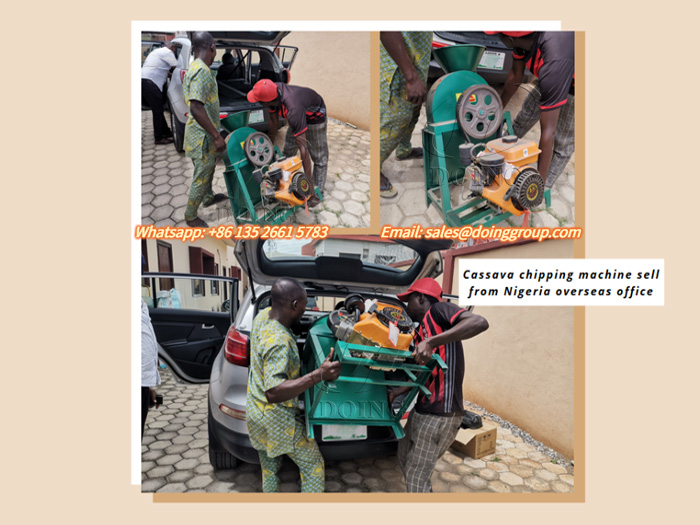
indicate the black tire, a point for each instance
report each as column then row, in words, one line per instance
column 178, row 129
column 219, row 459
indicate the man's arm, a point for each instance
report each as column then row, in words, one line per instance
column 304, row 154
column 291, row 388
column 467, row 326
column 513, row 80
column 415, row 87
column 200, row 115
column 548, row 127
column 274, row 126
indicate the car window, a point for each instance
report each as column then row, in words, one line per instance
column 187, row 293
column 286, row 55
column 378, row 253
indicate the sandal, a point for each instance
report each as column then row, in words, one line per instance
column 386, row 190
column 416, row 153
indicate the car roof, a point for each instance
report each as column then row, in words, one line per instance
column 344, row 262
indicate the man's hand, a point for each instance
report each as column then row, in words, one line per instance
column 396, row 392
column 423, row 352
column 330, row 371
column 415, row 88
column 219, row 142
column 416, row 92
column 153, row 397
column 467, row 326
column 200, row 115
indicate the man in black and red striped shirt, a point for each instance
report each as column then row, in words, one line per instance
column 305, row 112
column 549, row 55
column 433, row 424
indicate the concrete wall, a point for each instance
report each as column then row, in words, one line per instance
column 337, row 66
column 522, row 367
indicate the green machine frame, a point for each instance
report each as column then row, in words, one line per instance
column 243, row 190
column 442, row 137
column 358, row 396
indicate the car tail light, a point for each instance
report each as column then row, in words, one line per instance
column 223, row 115
column 182, row 75
column 237, row 348
column 235, row 414
column 439, row 44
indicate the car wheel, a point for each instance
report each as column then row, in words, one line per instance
column 178, row 131
column 219, row 459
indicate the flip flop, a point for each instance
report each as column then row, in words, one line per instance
column 416, row 153
column 387, row 192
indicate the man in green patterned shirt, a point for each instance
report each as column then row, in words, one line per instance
column 202, row 138
column 272, row 407
column 404, row 63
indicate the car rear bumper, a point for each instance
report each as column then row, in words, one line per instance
column 349, row 450
column 239, row 446
column 235, row 443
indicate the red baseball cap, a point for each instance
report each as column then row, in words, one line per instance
column 426, row 286
column 514, row 34
column 263, row 91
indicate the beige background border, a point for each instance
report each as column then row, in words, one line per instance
column 68, row 182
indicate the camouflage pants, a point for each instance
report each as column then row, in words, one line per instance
column 564, row 139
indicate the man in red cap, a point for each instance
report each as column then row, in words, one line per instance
column 305, row 112
column 433, row 423
column 549, row 55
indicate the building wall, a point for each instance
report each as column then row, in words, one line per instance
column 337, row 66
column 522, row 367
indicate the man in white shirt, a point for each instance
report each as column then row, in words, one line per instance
column 150, row 378
column 154, row 72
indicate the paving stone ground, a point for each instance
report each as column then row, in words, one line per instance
column 174, row 458
column 409, row 207
column 166, row 176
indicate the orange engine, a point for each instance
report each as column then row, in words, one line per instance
column 284, row 181
column 505, row 173
column 383, row 325
column 373, row 328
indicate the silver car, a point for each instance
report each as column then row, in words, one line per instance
column 330, row 269
column 253, row 56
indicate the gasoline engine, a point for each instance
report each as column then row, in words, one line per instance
column 373, row 324
column 503, row 172
column 281, row 180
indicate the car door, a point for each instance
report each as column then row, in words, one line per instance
column 191, row 314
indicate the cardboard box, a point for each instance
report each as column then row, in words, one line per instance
column 477, row 443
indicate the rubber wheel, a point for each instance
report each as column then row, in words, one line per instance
column 219, row 459
column 178, row 131
column 528, row 191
